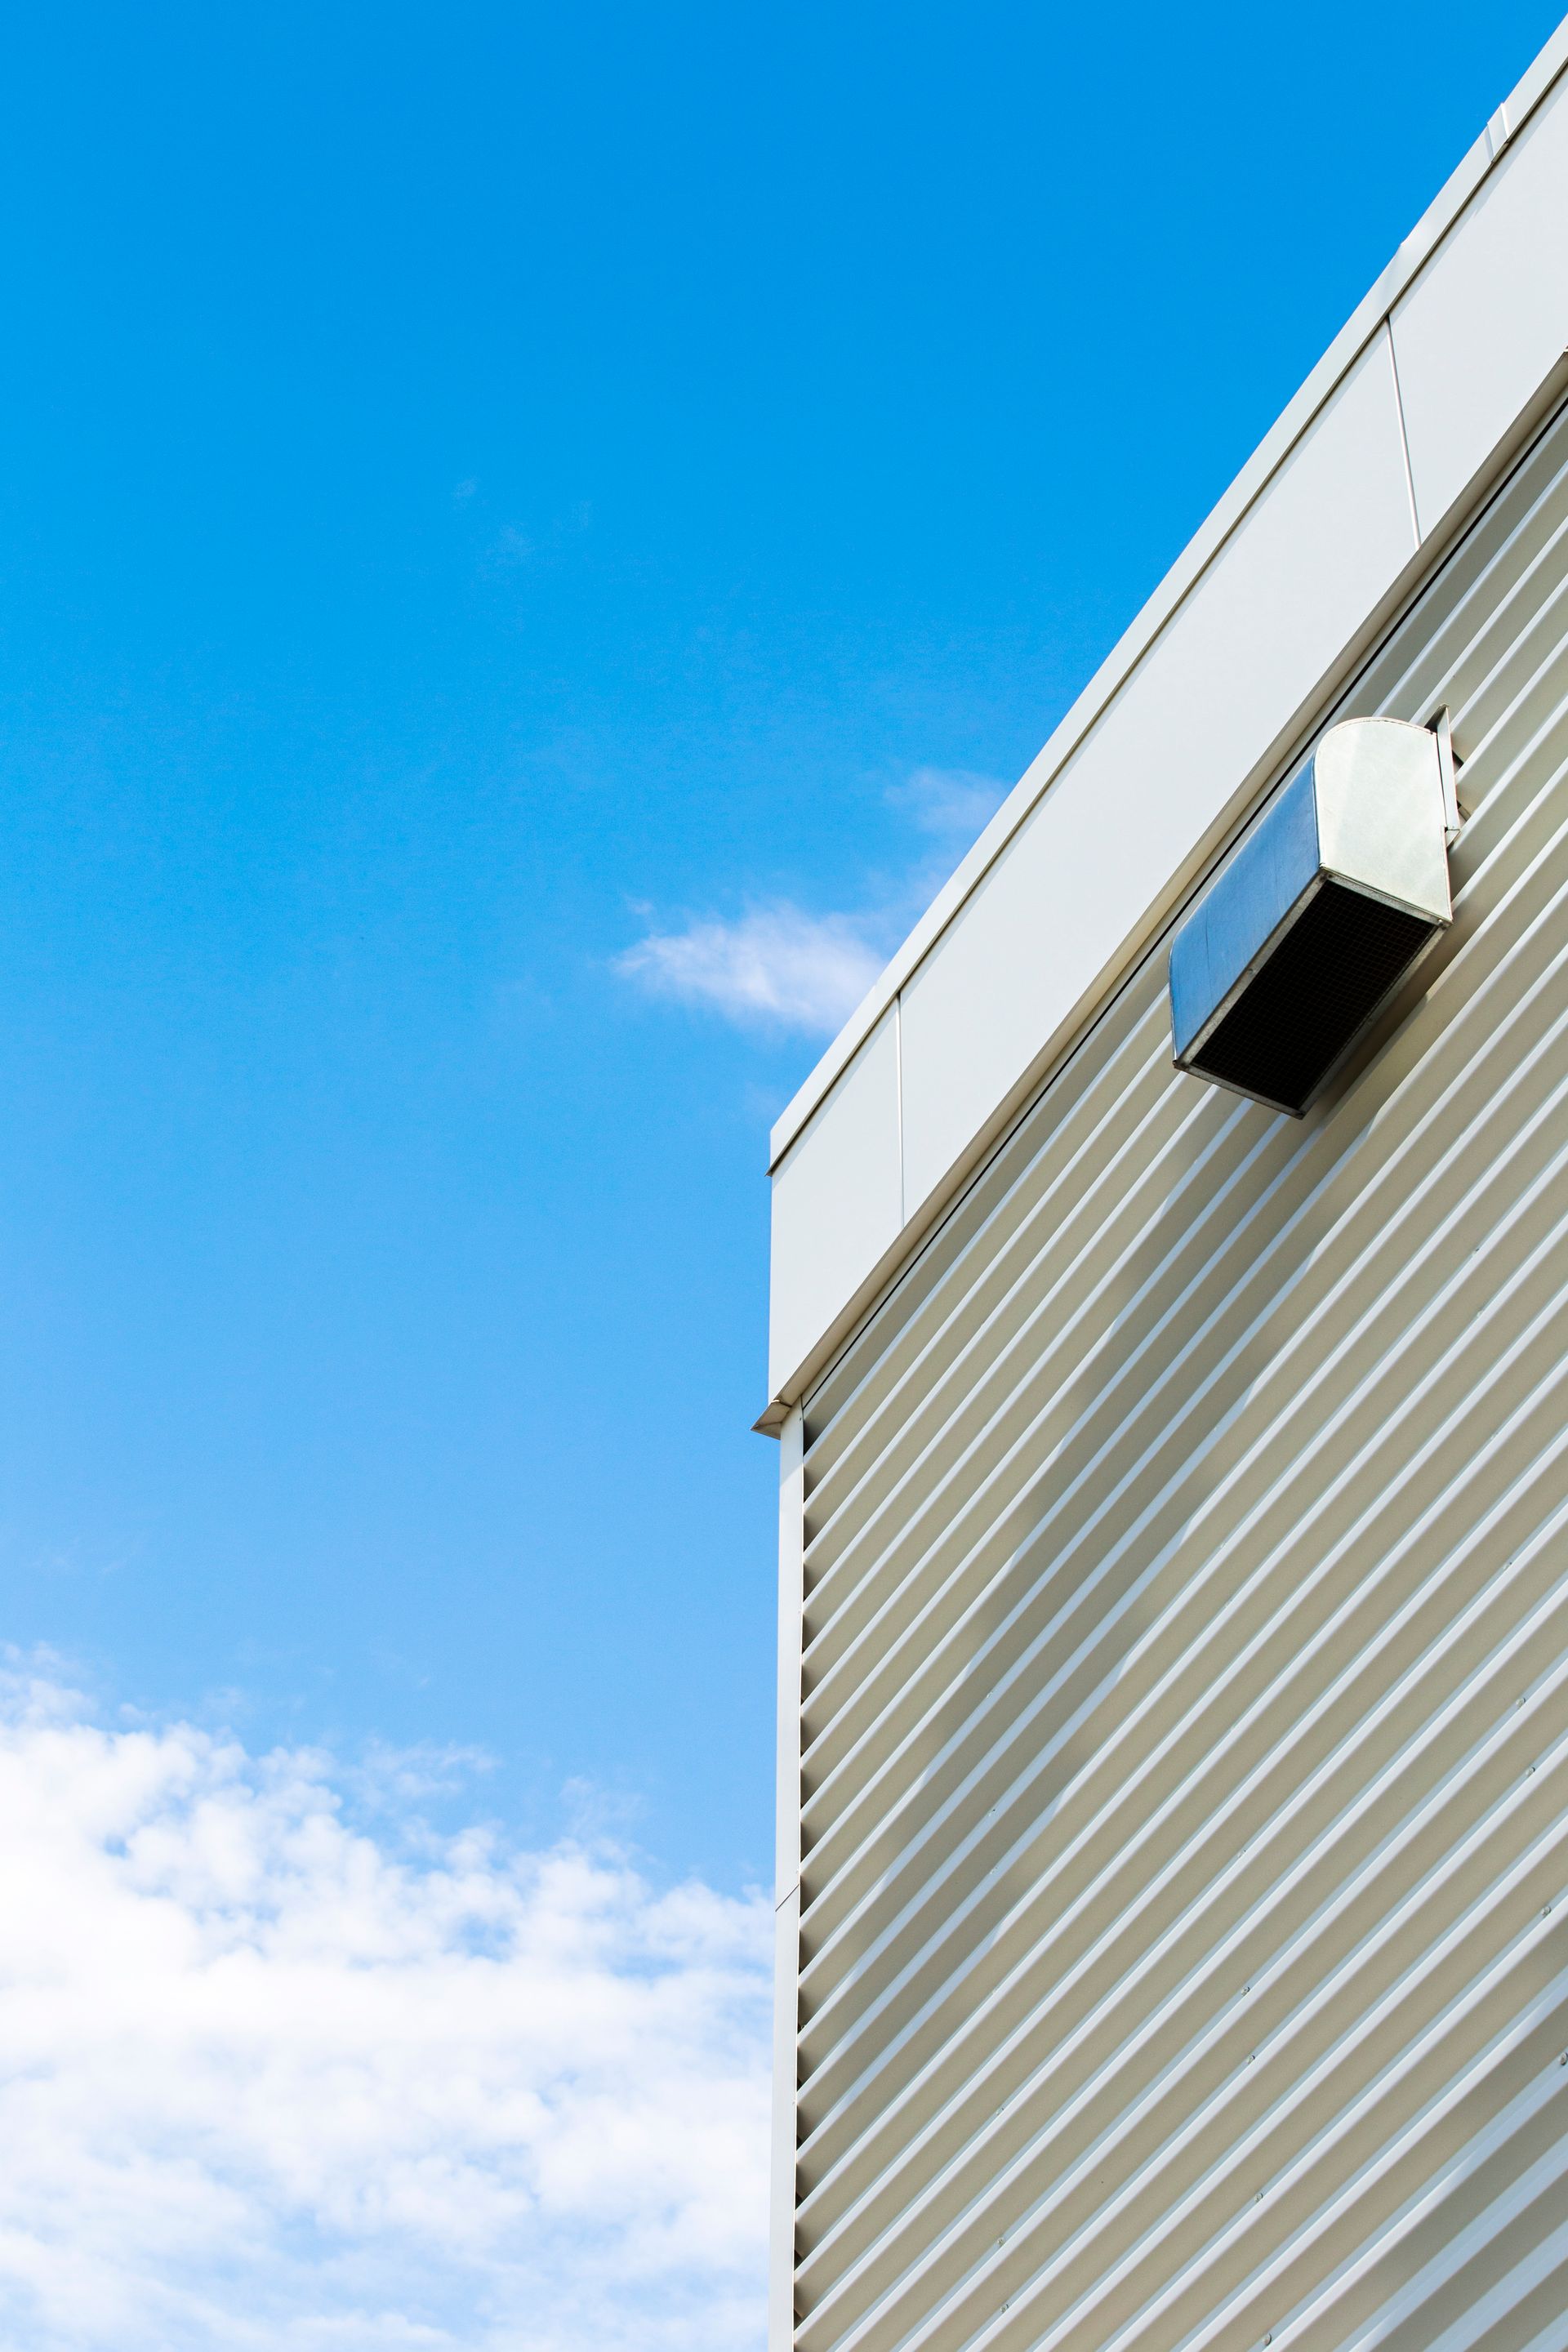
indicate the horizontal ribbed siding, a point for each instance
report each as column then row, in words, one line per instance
column 1185, row 1666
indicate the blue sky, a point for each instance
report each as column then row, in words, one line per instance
column 529, row 543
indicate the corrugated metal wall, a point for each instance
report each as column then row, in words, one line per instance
column 1183, row 1949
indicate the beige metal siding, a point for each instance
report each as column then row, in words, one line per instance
column 1185, row 1656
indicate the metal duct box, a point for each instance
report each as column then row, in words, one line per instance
column 1316, row 916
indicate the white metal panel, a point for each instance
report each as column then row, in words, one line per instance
column 792, row 1599
column 786, row 1895
column 1487, row 321
column 837, row 1201
column 780, row 2230
column 1014, row 972
column 1357, row 331
column 1480, row 291
column 1184, row 1958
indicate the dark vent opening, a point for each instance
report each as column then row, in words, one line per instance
column 1300, row 1009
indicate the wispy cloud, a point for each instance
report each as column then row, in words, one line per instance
column 957, row 803
column 775, row 967
column 272, row 2078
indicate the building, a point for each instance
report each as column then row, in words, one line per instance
column 1174, row 1773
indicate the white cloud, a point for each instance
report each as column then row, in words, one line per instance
column 271, row 2079
column 954, row 803
column 775, row 967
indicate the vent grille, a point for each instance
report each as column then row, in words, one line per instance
column 1312, row 995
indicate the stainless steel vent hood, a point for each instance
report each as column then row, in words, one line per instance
column 1317, row 915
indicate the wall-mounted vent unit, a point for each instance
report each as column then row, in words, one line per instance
column 1316, row 916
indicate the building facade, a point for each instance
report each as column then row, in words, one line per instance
column 1174, row 1625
